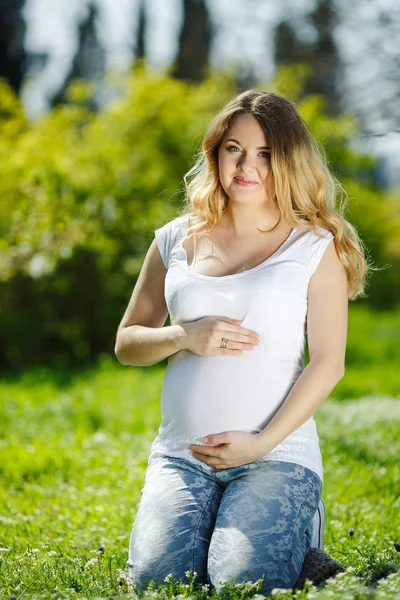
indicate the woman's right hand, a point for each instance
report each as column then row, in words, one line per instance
column 203, row 337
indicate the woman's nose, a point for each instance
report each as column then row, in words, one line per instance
column 247, row 161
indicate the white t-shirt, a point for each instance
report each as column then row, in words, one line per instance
column 204, row 395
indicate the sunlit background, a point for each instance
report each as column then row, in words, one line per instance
column 102, row 107
column 92, row 162
column 353, row 45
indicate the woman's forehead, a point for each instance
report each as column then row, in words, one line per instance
column 245, row 129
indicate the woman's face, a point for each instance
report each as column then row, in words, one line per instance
column 244, row 153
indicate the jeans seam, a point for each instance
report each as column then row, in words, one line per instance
column 289, row 538
column 214, row 490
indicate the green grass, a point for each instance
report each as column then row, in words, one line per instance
column 372, row 354
column 73, row 453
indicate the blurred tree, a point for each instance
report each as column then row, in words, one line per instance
column 194, row 42
column 89, row 61
column 12, row 36
column 373, row 89
column 140, row 47
column 82, row 192
column 321, row 55
column 288, row 48
column 322, row 70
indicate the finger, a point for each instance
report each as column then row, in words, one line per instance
column 229, row 320
column 208, row 451
column 211, row 459
column 232, row 347
column 227, row 352
column 204, row 455
column 235, row 341
column 211, row 463
column 233, row 344
column 246, row 335
column 201, row 447
column 244, row 332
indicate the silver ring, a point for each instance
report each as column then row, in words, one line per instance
column 224, row 342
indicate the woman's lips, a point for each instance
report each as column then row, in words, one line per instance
column 245, row 182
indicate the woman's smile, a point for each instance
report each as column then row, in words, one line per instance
column 245, row 182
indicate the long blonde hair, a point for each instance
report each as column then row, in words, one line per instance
column 301, row 184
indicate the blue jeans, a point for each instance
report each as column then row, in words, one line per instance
column 242, row 522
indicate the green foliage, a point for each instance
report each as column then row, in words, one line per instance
column 331, row 133
column 74, row 449
column 83, row 191
column 374, row 212
column 101, row 180
column 372, row 353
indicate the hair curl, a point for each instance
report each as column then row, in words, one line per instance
column 301, row 184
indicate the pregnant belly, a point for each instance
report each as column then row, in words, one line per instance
column 206, row 395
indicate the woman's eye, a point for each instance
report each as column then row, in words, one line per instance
column 229, row 148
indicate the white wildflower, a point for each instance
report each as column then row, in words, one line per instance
column 91, row 562
column 187, row 573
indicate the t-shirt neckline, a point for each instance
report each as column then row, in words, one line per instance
column 184, row 227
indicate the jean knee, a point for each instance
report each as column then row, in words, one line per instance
column 266, row 574
column 139, row 581
column 266, row 585
column 140, row 577
column 292, row 562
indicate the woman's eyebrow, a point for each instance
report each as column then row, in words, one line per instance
column 258, row 147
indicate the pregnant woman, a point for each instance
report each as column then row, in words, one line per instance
column 259, row 258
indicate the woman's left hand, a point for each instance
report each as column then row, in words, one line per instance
column 229, row 449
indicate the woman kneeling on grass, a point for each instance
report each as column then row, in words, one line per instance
column 234, row 477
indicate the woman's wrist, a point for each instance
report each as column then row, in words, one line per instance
column 180, row 336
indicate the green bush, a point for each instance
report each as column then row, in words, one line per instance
column 83, row 191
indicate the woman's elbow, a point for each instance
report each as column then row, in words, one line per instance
column 333, row 369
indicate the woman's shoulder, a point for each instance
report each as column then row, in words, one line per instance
column 168, row 235
column 323, row 232
column 173, row 225
column 319, row 241
column 317, row 232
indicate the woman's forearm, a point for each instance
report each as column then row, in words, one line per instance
column 141, row 346
column 311, row 389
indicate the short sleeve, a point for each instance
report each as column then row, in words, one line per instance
column 166, row 237
column 318, row 247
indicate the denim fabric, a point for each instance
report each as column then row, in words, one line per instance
column 240, row 523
